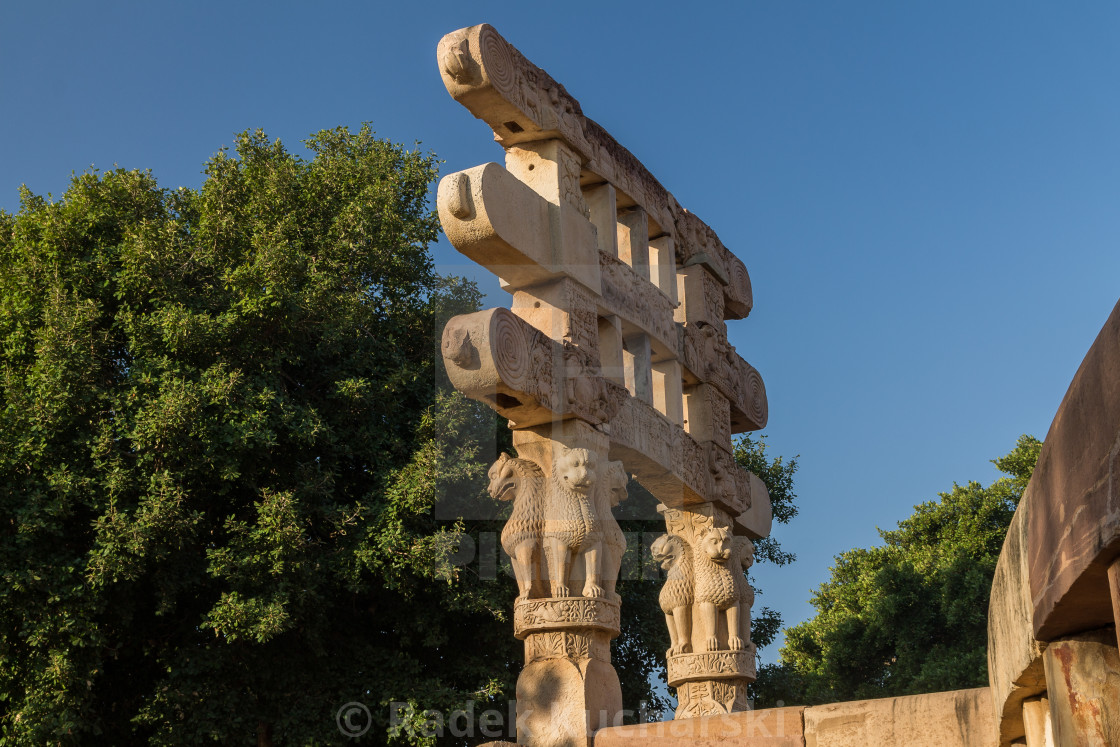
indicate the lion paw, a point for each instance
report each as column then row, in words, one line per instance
column 735, row 643
column 593, row 591
column 712, row 644
column 559, row 591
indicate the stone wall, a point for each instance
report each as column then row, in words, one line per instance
column 960, row 718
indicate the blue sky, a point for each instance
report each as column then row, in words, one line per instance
column 926, row 194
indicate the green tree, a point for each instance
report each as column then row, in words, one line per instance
column 220, row 444
column 909, row 616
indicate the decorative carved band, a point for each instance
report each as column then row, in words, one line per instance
column 539, row 615
column 579, row 644
column 711, row 698
column 713, row 665
column 629, row 296
column 707, row 355
column 672, row 466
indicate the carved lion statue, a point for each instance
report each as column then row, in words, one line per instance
column 521, row 481
column 571, row 523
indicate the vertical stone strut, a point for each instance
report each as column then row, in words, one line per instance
column 613, row 361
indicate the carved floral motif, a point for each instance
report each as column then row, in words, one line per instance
column 705, row 352
column 577, row 644
column 712, row 665
column 632, row 297
column 711, row 698
column 533, row 615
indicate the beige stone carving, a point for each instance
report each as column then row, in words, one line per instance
column 711, row 697
column 523, row 104
column 707, row 602
column 678, row 594
column 620, row 298
column 708, row 357
column 611, row 493
column 575, row 644
column 716, row 587
column 521, row 481
column 633, row 298
column 711, row 665
column 564, row 518
column 497, row 358
column 1083, row 689
column 536, row 615
column 742, row 558
column 572, row 529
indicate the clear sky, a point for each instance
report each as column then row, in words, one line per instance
column 926, row 194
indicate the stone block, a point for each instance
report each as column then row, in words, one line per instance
column 604, row 216
column 1015, row 670
column 1083, row 687
column 1074, row 526
column 959, row 718
column 663, row 266
column 708, row 415
column 757, row 520
column 772, row 727
column 702, row 300
column 633, row 239
column 561, row 702
column 1037, row 726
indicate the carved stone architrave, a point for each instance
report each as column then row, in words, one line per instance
column 497, row 358
column 633, row 298
column 708, row 357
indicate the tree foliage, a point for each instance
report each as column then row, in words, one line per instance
column 218, row 455
column 909, row 616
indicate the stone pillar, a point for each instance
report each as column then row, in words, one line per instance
column 1083, row 687
column 707, row 604
column 1114, row 587
column 1037, row 723
column 567, row 669
column 565, row 547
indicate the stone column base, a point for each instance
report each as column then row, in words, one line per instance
column 712, row 683
column 582, row 696
column 568, row 688
column 711, row 698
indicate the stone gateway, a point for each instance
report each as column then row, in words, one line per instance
column 613, row 361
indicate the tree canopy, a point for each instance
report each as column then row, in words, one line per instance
column 218, row 454
column 908, row 616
